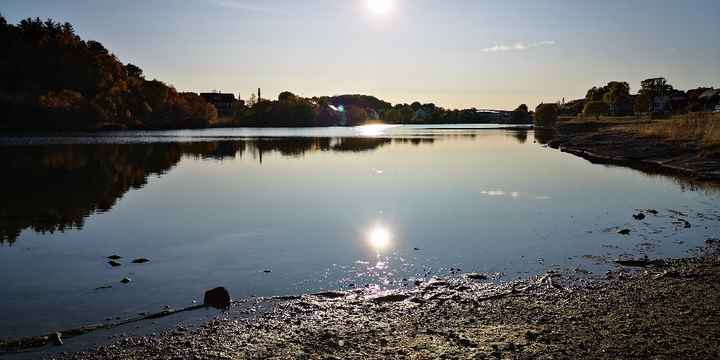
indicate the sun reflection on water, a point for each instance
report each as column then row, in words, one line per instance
column 373, row 130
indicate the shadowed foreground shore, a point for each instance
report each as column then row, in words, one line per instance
column 667, row 310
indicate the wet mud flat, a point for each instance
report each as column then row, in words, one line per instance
column 651, row 309
column 613, row 144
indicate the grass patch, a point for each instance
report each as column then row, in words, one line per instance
column 703, row 128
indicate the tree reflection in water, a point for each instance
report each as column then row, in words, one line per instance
column 56, row 187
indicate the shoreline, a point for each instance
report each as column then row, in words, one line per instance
column 664, row 308
column 609, row 144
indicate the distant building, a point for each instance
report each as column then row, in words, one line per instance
column 223, row 102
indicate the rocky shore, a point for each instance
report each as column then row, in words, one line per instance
column 616, row 144
column 658, row 309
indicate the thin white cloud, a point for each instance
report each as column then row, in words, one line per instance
column 245, row 5
column 518, row 46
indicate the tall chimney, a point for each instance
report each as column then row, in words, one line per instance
column 259, row 95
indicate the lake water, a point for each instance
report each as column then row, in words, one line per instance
column 332, row 208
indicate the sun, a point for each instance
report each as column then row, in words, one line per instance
column 379, row 237
column 380, row 7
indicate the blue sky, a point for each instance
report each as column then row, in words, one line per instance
column 455, row 53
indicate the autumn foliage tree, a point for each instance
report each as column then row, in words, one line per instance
column 52, row 79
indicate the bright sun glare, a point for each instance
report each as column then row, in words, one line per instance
column 380, row 7
column 379, row 238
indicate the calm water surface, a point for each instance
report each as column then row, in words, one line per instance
column 318, row 208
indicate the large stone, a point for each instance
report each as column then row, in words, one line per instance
column 218, row 298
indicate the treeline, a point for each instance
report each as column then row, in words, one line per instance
column 54, row 80
column 290, row 110
column 656, row 97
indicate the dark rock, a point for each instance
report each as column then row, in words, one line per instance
column 103, row 287
column 126, row 280
column 476, row 276
column 114, row 257
column 267, row 271
column 639, row 262
column 140, row 261
column 416, row 249
column 390, row 298
column 218, row 298
column 56, row 339
column 624, row 232
column 712, row 241
column 639, row 216
column 652, row 211
column 114, row 263
column 331, row 294
column 684, row 223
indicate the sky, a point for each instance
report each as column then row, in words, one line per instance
column 455, row 53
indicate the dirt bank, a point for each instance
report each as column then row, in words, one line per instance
column 667, row 310
column 620, row 144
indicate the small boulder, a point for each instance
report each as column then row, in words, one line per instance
column 624, row 232
column 114, row 263
column 140, row 261
column 652, row 211
column 218, row 298
column 267, row 271
column 126, row 280
column 114, row 257
column 639, row 216
column 712, row 241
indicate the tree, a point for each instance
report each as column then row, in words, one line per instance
column 356, row 115
column 252, row 100
column 286, row 96
column 596, row 108
column 596, row 93
column 97, row 48
column 642, row 104
column 520, row 115
column 655, row 87
column 546, row 115
column 618, row 98
column 133, row 71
